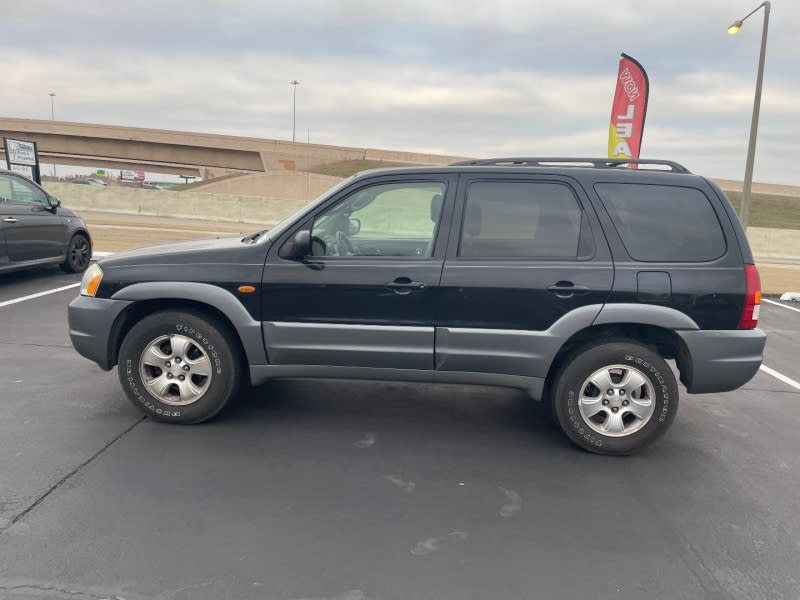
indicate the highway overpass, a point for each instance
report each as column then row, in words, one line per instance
column 185, row 153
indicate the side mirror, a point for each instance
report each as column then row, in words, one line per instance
column 298, row 247
column 53, row 202
column 354, row 227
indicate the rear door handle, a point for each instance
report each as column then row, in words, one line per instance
column 566, row 289
column 9, row 220
column 403, row 285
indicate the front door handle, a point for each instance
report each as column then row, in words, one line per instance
column 403, row 285
column 566, row 289
column 9, row 220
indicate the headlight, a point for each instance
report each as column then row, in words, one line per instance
column 91, row 280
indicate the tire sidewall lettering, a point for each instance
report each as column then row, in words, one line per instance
column 145, row 401
column 203, row 339
column 567, row 393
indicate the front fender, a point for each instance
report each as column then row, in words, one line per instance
column 247, row 328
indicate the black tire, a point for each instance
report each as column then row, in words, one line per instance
column 209, row 338
column 587, row 361
column 79, row 254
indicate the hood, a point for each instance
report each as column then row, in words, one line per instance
column 63, row 211
column 211, row 250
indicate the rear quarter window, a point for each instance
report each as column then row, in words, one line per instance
column 661, row 223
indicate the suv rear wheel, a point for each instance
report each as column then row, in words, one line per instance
column 615, row 398
column 179, row 367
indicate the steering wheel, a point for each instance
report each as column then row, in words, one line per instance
column 343, row 244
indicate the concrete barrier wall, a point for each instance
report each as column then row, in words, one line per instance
column 297, row 185
column 774, row 243
column 766, row 243
column 185, row 205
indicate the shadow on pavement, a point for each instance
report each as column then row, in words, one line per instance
column 374, row 406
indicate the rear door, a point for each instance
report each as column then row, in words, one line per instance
column 32, row 229
column 525, row 251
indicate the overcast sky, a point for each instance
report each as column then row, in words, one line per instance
column 466, row 77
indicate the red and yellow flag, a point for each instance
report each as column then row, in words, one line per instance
column 629, row 110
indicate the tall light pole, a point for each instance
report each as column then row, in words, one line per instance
column 53, row 118
column 744, row 212
column 294, row 83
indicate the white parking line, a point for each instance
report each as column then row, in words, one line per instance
column 39, row 294
column 781, row 377
column 779, row 304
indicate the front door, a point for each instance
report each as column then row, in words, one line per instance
column 32, row 229
column 526, row 251
column 366, row 295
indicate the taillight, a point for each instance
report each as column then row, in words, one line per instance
column 752, row 302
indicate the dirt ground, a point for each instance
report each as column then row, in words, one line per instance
column 779, row 278
column 116, row 232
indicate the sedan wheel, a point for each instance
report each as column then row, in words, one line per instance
column 79, row 253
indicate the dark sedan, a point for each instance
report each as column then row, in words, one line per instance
column 36, row 230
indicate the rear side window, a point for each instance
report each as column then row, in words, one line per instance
column 520, row 219
column 661, row 223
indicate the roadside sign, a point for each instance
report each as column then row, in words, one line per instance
column 132, row 175
column 22, row 157
column 23, row 170
column 100, row 172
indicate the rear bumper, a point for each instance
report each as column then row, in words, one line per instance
column 91, row 322
column 720, row 361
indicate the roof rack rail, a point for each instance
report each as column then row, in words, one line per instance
column 598, row 163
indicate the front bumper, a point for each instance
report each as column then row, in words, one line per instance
column 91, row 326
column 720, row 361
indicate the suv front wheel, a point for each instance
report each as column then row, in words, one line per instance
column 179, row 367
column 615, row 398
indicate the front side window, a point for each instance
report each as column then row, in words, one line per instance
column 662, row 223
column 521, row 219
column 17, row 191
column 392, row 219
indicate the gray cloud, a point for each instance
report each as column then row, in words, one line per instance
column 464, row 77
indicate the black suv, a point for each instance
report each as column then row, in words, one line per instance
column 572, row 279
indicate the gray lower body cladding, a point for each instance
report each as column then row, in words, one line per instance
column 721, row 361
column 91, row 323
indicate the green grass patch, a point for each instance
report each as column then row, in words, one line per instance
column 768, row 210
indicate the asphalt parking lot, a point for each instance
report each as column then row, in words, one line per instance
column 355, row 491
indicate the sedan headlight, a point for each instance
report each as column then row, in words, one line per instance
column 91, row 280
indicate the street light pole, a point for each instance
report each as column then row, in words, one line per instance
column 744, row 212
column 294, row 83
column 53, row 118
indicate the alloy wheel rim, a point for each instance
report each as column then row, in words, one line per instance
column 175, row 370
column 79, row 252
column 617, row 400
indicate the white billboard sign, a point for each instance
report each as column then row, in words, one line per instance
column 21, row 153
